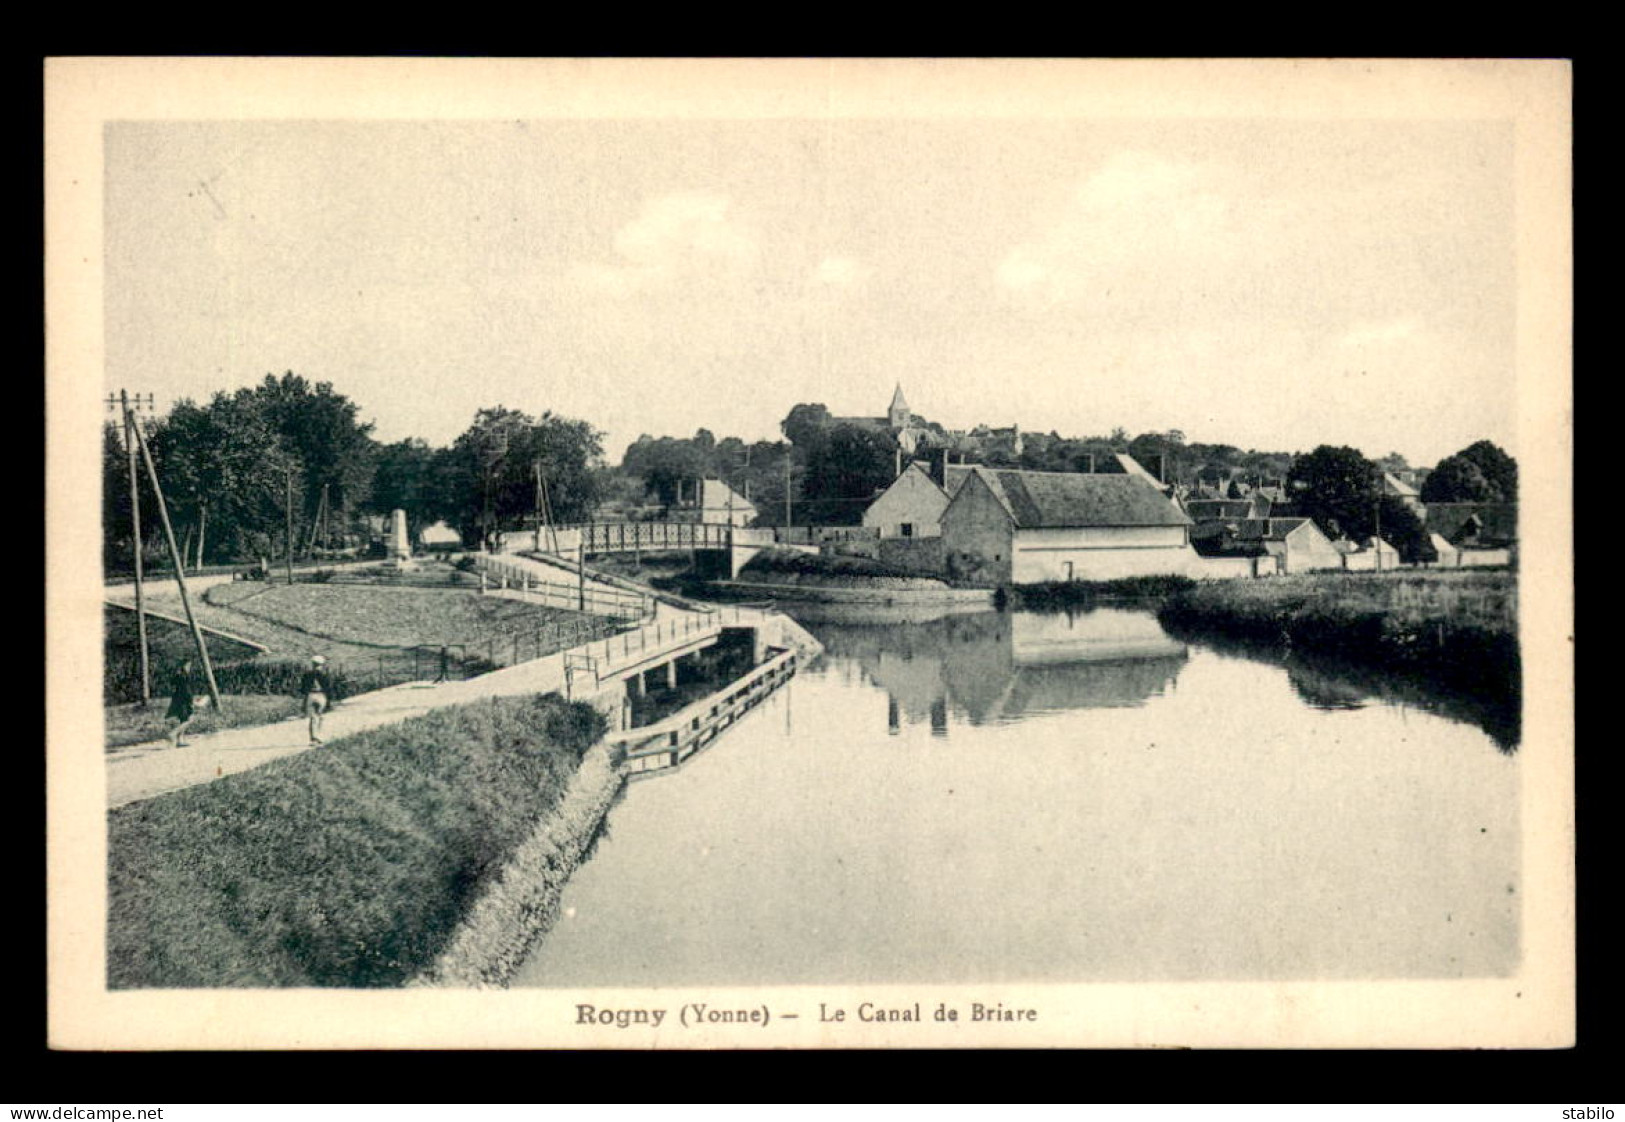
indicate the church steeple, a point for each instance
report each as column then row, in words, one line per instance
column 897, row 414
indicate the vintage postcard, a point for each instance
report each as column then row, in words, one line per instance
column 669, row 554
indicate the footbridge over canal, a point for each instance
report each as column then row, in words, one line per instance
column 721, row 549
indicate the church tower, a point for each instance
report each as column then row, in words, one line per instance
column 897, row 414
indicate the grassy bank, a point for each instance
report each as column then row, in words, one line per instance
column 1456, row 629
column 140, row 724
column 820, row 570
column 1065, row 594
column 350, row 866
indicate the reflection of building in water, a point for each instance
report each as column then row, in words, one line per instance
column 994, row 666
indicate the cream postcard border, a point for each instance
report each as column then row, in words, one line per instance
column 1533, row 1009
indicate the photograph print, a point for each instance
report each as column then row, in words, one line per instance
column 809, row 553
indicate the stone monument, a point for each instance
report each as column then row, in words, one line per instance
column 397, row 547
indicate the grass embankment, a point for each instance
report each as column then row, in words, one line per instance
column 350, row 866
column 823, row 570
column 1064, row 594
column 135, row 723
column 1455, row 629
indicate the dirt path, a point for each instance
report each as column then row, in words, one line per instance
column 142, row 771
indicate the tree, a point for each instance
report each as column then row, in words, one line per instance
column 845, row 470
column 224, row 469
column 489, row 472
column 1403, row 529
column 1481, row 472
column 404, row 478
column 116, row 522
column 663, row 465
column 1338, row 488
column 804, row 425
column 1457, row 479
column 321, row 431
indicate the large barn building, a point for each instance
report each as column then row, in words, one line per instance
column 1022, row 527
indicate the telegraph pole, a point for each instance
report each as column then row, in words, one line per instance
column 180, row 570
column 128, row 419
column 287, row 506
column 787, row 495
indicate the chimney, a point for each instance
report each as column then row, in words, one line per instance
column 1159, row 470
column 941, row 473
column 1089, row 463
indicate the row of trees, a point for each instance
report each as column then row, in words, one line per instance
column 838, row 466
column 230, row 467
column 1345, row 494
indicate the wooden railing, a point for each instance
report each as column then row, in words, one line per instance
column 670, row 742
column 623, row 537
column 577, row 596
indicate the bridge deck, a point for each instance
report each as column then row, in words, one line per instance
column 671, row 742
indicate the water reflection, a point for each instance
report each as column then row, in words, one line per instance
column 1329, row 683
column 998, row 668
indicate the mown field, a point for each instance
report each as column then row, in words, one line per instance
column 374, row 637
column 388, row 617
column 346, row 867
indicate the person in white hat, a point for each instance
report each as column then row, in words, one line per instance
column 317, row 686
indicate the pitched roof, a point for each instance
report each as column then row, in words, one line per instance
column 897, row 401
column 715, row 495
column 956, row 474
column 1247, row 537
column 1053, row 500
column 1203, row 510
column 1134, row 467
column 1267, row 529
column 1396, row 486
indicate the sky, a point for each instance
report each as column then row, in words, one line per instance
column 1271, row 284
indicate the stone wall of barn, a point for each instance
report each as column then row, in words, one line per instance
column 976, row 536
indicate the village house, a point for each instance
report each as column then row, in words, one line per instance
column 1478, row 533
column 1005, row 526
column 1404, row 492
column 910, row 508
column 714, row 503
column 1296, row 545
column 1373, row 554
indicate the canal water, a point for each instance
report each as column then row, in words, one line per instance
column 1009, row 797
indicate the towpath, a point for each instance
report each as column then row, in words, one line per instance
column 142, row 771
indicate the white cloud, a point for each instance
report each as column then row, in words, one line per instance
column 1382, row 334
column 841, row 272
column 1136, row 209
column 688, row 234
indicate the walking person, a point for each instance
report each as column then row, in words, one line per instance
column 182, row 692
column 317, row 687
